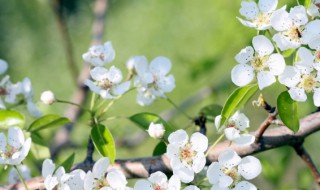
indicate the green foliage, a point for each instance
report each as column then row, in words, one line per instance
column 9, row 118
column 305, row 3
column 288, row 53
column 48, row 121
column 67, row 164
column 288, row 111
column 236, row 100
column 103, row 141
column 160, row 149
column 143, row 120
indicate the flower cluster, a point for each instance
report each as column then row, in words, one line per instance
column 291, row 30
column 151, row 80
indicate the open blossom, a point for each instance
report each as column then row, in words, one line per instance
column 311, row 32
column 8, row 91
column 258, row 16
column 313, row 9
column 236, row 124
column 152, row 80
column 258, row 60
column 107, row 82
column 290, row 27
column 230, row 169
column 158, row 181
column 99, row 178
column 58, row 179
column 100, row 55
column 156, row 130
column 186, row 157
column 14, row 177
column 13, row 148
column 27, row 91
column 303, row 77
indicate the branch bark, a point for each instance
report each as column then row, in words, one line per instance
column 143, row 167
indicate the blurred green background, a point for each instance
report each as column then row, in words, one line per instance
column 200, row 37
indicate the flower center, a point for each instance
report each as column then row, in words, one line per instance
column 308, row 82
column 294, row 33
column 263, row 19
column 3, row 91
column 9, row 152
column 259, row 63
column 317, row 55
column 105, row 84
column 186, row 154
column 233, row 173
column 99, row 183
column 158, row 187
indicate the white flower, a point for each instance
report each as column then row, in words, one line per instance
column 100, row 55
column 311, row 32
column 303, row 77
column 47, row 97
column 3, row 66
column 236, row 124
column 14, row 177
column 115, row 180
column 59, row 179
column 14, row 148
column 107, row 82
column 152, row 81
column 289, row 26
column 156, row 130
column 228, row 172
column 28, row 94
column 191, row 187
column 186, row 158
column 9, row 91
column 313, row 9
column 158, row 181
column 258, row 15
column 257, row 60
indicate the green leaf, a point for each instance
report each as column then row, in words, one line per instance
column 211, row 111
column 305, row 3
column 236, row 100
column 288, row 53
column 103, row 141
column 288, row 111
column 160, row 149
column 143, row 120
column 9, row 118
column 48, row 121
column 67, row 164
column 37, row 139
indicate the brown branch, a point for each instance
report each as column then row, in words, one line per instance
column 62, row 136
column 271, row 139
column 266, row 123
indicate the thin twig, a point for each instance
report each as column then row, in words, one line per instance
column 266, row 123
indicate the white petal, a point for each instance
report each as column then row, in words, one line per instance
column 290, row 77
column 116, row 179
column 285, row 43
column 242, row 121
column 191, row 187
column 3, row 66
column 15, row 137
column 268, row 6
column 245, row 55
column 167, row 84
column 214, row 173
column 141, row 65
column 93, row 87
column 60, row 172
column 121, row 88
column 199, row 161
column 262, row 45
column 217, row 122
column 231, row 133
column 280, row 20
column 179, row 137
column 100, row 168
column 244, row 185
column 160, row 65
column 225, row 181
column 173, row 150
column 297, row 94
column 298, row 14
column 306, row 57
column 109, row 52
column 313, row 10
column 99, row 73
column 143, row 185
column 25, row 149
column 311, row 32
column 89, row 182
column 244, row 140
column 249, row 10
column 135, row 60
column 315, row 43
column 33, row 109
column 174, row 183
column 185, row 174
column 50, row 182
column 249, row 167
column 3, row 142
column 265, row 79
column 242, row 74
column 229, row 158
column 158, row 177
column 114, row 75
column 247, row 23
column 316, row 97
column 276, row 64
column 199, row 142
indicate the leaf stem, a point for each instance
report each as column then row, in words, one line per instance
column 72, row 103
column 21, row 178
column 214, row 144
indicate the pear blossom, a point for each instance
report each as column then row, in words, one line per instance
column 152, row 80
column 230, row 169
column 186, row 157
column 158, row 181
column 258, row 60
column 98, row 178
column 107, row 82
column 232, row 128
column 27, row 91
column 289, row 27
column 47, row 97
column 99, row 55
column 13, row 148
column 303, row 77
column 14, row 177
column 3, row 66
column 156, row 130
column 258, row 16
column 8, row 91
column 313, row 9
column 311, row 32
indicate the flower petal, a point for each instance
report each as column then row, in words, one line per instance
column 231, row 133
column 265, row 79
column 242, row 121
column 247, row 23
column 114, row 75
column 100, row 168
column 245, row 55
column 116, row 179
column 280, row 20
column 199, row 142
column 276, row 64
column 179, row 137
column 290, row 77
column 244, row 185
column 15, row 137
column 199, row 161
column 249, row 10
column 297, row 94
column 311, row 32
column 267, row 6
column 175, row 183
column 99, row 73
column 298, row 14
column 262, row 45
column 185, row 174
column 3, row 66
column 244, row 140
column 121, row 88
column 143, row 185
column 242, row 74
column 249, row 167
column 316, row 97
column 160, row 65
column 229, row 158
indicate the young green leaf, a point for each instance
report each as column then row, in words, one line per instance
column 103, row 141
column 160, row 149
column 67, row 164
column 48, row 121
column 211, row 111
column 10, row 118
column 143, row 120
column 288, row 111
column 236, row 100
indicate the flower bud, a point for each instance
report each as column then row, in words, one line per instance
column 156, row 130
column 47, row 97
